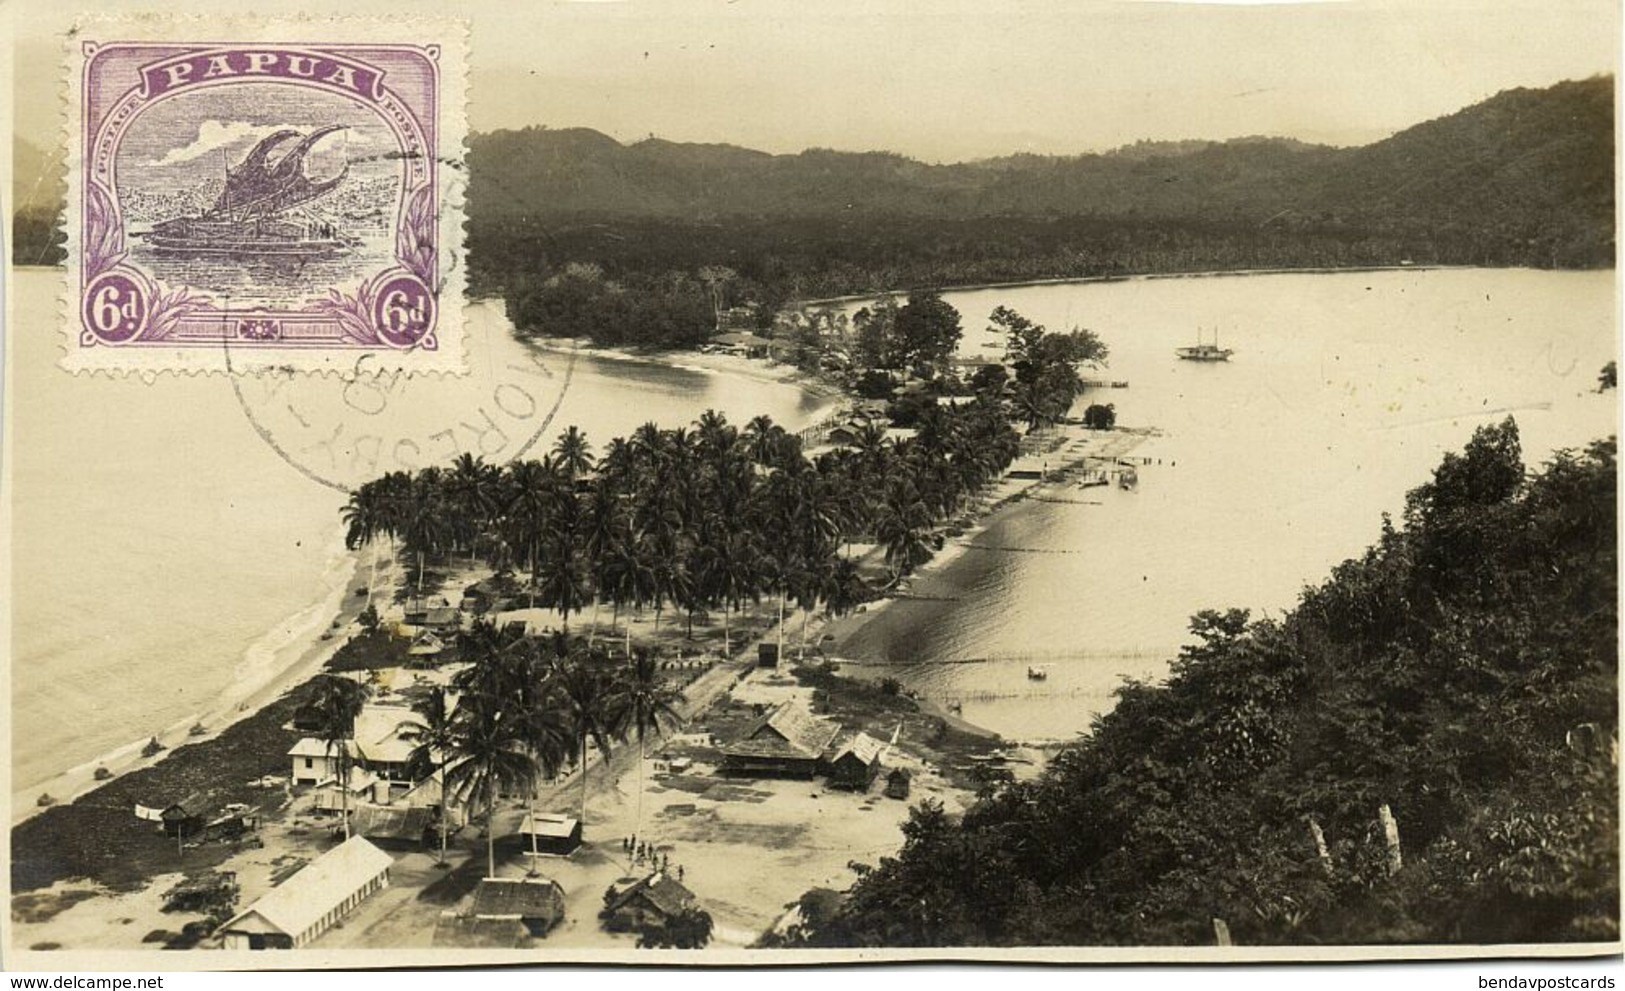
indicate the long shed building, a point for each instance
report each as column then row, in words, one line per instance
column 312, row 901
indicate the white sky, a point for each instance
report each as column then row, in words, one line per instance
column 954, row 79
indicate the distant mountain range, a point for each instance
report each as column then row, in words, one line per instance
column 1521, row 156
column 1525, row 177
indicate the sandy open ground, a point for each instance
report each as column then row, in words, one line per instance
column 748, row 848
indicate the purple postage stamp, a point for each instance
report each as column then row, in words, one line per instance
column 258, row 194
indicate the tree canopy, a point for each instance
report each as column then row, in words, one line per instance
column 1460, row 675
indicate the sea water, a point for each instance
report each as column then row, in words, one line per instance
column 166, row 558
column 1343, row 393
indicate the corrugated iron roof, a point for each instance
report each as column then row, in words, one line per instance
column 391, row 823
column 862, row 746
column 526, row 898
column 299, row 902
column 787, row 730
column 383, row 733
column 662, row 890
column 556, row 826
column 310, row 746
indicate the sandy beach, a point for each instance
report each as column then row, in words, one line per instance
column 799, row 834
column 307, row 642
column 732, row 365
column 1083, row 280
column 748, row 847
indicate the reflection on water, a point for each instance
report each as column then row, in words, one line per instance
column 1344, row 392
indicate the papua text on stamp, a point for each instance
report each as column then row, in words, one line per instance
column 257, row 194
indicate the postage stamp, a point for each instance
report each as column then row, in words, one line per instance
column 251, row 194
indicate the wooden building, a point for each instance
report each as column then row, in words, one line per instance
column 898, row 783
column 537, row 902
column 393, row 828
column 385, row 737
column 314, row 762
column 453, row 931
column 854, row 763
column 188, row 816
column 313, row 900
column 649, row 901
column 744, row 343
column 788, row 741
column 554, row 835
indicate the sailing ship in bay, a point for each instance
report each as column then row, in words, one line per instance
column 258, row 213
column 1205, row 352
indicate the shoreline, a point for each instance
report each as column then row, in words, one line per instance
column 253, row 719
column 335, row 610
column 1070, row 447
column 725, row 365
column 306, row 648
column 1224, row 273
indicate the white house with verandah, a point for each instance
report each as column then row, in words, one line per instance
column 314, row 761
column 312, row 901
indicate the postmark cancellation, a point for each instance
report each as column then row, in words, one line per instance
column 253, row 194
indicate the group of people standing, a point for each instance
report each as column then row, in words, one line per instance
column 642, row 851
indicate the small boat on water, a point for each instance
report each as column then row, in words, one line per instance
column 1205, row 352
column 1036, row 673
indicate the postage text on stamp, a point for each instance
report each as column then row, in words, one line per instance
column 297, row 201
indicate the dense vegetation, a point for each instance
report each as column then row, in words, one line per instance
column 697, row 519
column 1461, row 674
column 1525, row 178
column 644, row 243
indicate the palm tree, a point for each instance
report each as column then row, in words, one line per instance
column 615, row 468
column 713, row 434
column 777, row 570
column 649, row 701
column 338, row 701
column 489, row 741
column 544, row 731
column 563, row 580
column 436, row 736
column 806, row 585
column 647, row 444
column 601, row 527
column 593, row 705
column 494, row 654
column 473, row 487
column 728, row 574
column 364, row 521
column 629, row 580
column 671, row 579
column 424, row 520
column 573, row 452
column 715, row 277
column 871, row 441
column 761, row 439
column 844, row 588
column 531, row 486
column 901, row 528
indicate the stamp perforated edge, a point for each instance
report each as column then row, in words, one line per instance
column 449, row 359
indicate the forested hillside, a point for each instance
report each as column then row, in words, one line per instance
column 1462, row 674
column 1524, row 178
